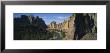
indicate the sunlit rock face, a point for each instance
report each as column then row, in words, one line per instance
column 52, row 25
column 67, row 26
column 71, row 29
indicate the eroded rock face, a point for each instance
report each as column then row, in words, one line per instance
column 84, row 24
column 67, row 26
column 71, row 29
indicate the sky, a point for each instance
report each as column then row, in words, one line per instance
column 48, row 17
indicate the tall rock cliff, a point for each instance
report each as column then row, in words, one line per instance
column 29, row 27
column 85, row 26
column 71, row 28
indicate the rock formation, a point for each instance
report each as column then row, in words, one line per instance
column 67, row 26
column 78, row 26
column 26, row 27
column 85, row 24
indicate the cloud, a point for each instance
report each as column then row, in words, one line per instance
column 63, row 17
column 54, row 17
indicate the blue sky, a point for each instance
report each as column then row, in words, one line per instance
column 48, row 17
